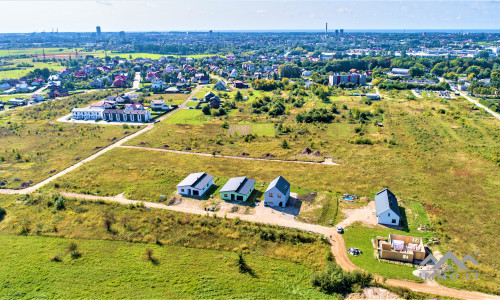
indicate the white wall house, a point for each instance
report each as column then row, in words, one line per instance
column 386, row 208
column 87, row 113
column 277, row 192
column 157, row 105
column 157, row 83
column 195, row 184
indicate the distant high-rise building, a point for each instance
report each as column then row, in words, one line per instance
column 341, row 31
column 210, row 32
column 122, row 34
column 336, row 32
column 326, row 30
column 98, row 30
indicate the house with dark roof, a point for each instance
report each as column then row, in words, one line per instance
column 277, row 192
column 237, row 188
column 195, row 184
column 386, row 208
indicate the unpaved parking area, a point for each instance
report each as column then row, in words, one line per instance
column 365, row 215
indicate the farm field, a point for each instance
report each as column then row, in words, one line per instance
column 441, row 153
column 33, row 145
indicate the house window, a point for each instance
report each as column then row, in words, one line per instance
column 279, row 195
column 388, row 214
column 393, row 221
column 405, row 256
column 182, row 190
column 270, row 194
column 225, row 195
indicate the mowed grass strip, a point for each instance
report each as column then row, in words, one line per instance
column 115, row 269
column 187, row 116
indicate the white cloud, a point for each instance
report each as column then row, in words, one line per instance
column 343, row 10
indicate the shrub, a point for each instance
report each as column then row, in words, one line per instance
column 2, row 213
column 335, row 280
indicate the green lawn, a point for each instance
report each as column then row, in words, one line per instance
column 187, row 116
column 192, row 103
column 115, row 269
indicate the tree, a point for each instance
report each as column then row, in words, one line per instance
column 206, row 110
column 69, row 85
column 238, row 96
column 285, row 145
column 289, row 71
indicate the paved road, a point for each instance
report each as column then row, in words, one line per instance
column 269, row 216
column 416, row 94
column 230, row 156
column 137, row 80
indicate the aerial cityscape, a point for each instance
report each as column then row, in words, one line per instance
column 353, row 160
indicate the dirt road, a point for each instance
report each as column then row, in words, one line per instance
column 229, row 156
column 271, row 216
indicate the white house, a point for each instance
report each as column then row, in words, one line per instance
column 157, row 83
column 277, row 192
column 157, row 105
column 195, row 184
column 22, row 87
column 87, row 113
column 36, row 97
column 221, row 85
column 93, row 112
column 386, row 208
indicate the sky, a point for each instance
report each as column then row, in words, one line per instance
column 188, row 15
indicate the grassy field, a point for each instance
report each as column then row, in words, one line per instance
column 33, row 145
column 186, row 116
column 111, row 241
column 441, row 153
column 22, row 71
column 114, row 269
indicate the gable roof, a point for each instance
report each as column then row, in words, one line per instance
column 281, row 184
column 240, row 185
column 196, row 180
column 385, row 200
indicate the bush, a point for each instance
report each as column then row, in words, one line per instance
column 335, row 280
column 2, row 213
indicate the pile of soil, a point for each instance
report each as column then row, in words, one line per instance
column 268, row 155
column 306, row 151
column 187, row 148
column 364, row 199
column 244, row 154
column 316, row 153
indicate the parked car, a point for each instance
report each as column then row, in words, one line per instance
column 354, row 251
column 340, row 229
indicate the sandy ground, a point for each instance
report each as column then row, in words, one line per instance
column 365, row 215
column 373, row 293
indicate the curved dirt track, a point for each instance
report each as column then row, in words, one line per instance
column 337, row 242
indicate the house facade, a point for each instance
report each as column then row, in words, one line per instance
column 386, row 208
column 121, row 115
column 237, row 189
column 195, row 184
column 159, row 105
column 277, row 192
